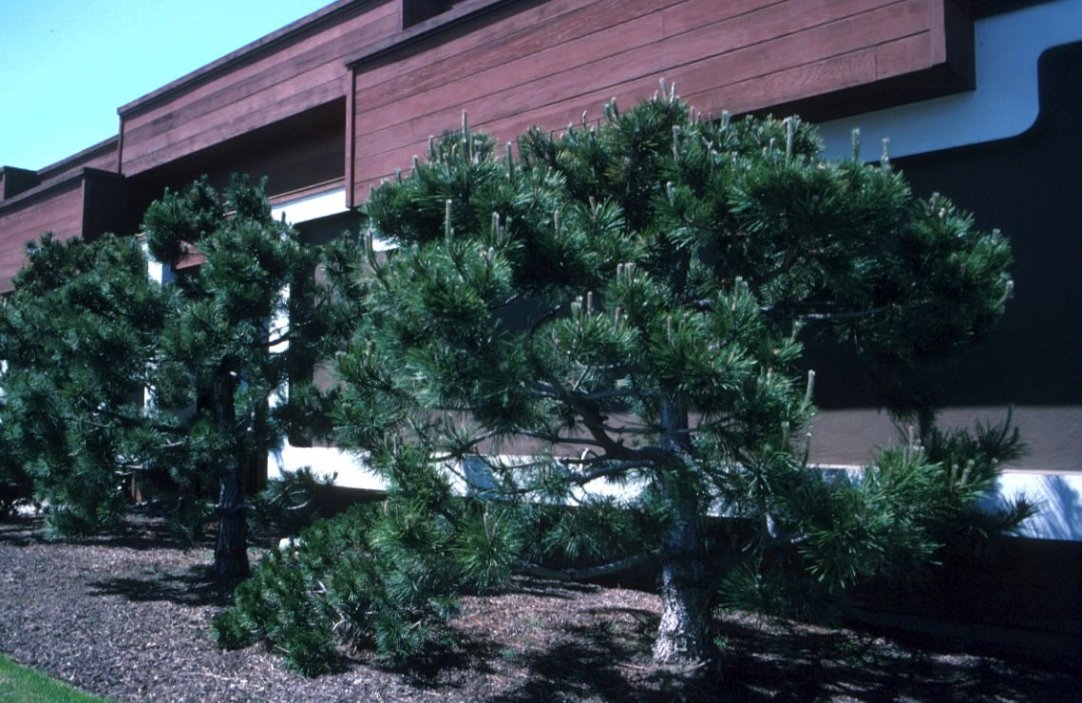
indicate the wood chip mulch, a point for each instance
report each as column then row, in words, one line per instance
column 127, row 617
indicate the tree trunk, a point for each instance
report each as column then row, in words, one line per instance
column 231, row 544
column 683, row 636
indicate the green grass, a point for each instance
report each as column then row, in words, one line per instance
column 21, row 685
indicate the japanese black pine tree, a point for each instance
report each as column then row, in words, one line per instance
column 110, row 374
column 613, row 320
column 221, row 358
column 77, row 337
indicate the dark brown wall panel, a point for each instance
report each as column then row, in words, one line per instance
column 105, row 204
column 16, row 180
column 548, row 62
column 298, row 153
column 303, row 72
column 551, row 36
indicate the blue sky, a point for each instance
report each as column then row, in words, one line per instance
column 69, row 64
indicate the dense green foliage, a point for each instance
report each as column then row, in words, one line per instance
column 78, row 335
column 574, row 358
column 624, row 306
column 374, row 575
column 289, row 503
column 16, row 485
column 572, row 362
column 389, row 575
column 86, row 334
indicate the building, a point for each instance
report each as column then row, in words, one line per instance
column 977, row 96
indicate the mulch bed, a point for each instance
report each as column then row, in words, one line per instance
column 127, row 617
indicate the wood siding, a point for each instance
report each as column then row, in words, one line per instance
column 17, row 181
column 60, row 211
column 544, row 63
column 88, row 203
column 261, row 85
column 301, row 152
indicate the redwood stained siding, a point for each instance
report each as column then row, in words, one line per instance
column 259, row 86
column 17, row 181
column 87, row 203
column 60, row 210
column 298, row 153
column 545, row 62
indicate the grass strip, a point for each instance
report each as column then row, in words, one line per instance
column 18, row 684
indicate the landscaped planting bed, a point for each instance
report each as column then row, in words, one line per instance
column 127, row 616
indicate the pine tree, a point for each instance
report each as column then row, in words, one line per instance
column 220, row 358
column 624, row 305
column 88, row 337
column 77, row 336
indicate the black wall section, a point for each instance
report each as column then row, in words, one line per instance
column 1030, row 187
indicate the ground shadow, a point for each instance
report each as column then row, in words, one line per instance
column 609, row 660
column 20, row 530
column 194, row 587
column 444, row 665
column 795, row 663
column 141, row 530
column 764, row 660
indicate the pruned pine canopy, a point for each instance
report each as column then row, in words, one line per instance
column 624, row 304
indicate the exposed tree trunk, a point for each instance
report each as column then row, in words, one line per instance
column 231, row 544
column 683, row 636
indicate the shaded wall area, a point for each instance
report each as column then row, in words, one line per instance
column 1031, row 188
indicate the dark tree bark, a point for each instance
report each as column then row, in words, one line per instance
column 231, row 544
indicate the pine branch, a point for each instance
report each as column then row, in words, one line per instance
column 466, row 447
column 127, row 421
column 843, row 316
column 560, row 439
column 641, row 430
column 594, row 422
column 515, row 297
column 548, row 315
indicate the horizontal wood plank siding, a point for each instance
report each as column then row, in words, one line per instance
column 302, row 73
column 562, row 75
column 547, row 62
column 60, row 212
column 493, row 61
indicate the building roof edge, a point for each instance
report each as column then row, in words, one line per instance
column 463, row 12
column 261, row 45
